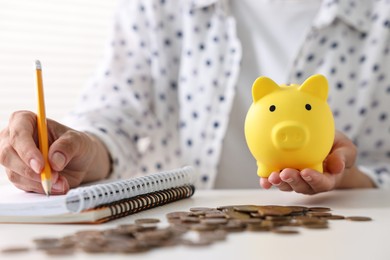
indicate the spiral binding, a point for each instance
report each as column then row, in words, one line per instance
column 100, row 194
column 139, row 203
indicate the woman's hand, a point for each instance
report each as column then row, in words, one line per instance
column 340, row 172
column 74, row 157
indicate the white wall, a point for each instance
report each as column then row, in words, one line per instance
column 67, row 36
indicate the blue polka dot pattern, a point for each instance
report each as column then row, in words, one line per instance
column 163, row 95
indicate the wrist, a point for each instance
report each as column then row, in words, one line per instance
column 100, row 166
column 353, row 178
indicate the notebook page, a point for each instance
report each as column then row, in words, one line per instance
column 15, row 202
column 93, row 216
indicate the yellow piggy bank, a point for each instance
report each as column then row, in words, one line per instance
column 289, row 126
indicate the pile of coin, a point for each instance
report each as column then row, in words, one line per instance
column 199, row 226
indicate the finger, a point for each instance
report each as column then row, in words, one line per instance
column 11, row 160
column 60, row 186
column 58, row 160
column 293, row 178
column 283, row 186
column 264, row 183
column 334, row 163
column 28, row 184
column 345, row 149
column 275, row 180
column 24, row 183
column 21, row 133
column 319, row 182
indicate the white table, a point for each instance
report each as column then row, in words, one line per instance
column 343, row 240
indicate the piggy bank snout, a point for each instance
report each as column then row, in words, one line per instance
column 289, row 135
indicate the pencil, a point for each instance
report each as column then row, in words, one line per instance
column 42, row 130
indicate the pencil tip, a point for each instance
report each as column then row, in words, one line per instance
column 46, row 185
column 38, row 65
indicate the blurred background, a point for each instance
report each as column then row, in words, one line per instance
column 68, row 37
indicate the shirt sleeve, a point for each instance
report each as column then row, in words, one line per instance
column 117, row 105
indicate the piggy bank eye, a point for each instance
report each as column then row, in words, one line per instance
column 272, row 108
column 308, row 107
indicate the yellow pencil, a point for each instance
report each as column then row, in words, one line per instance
column 42, row 130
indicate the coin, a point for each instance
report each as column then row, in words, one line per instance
column 203, row 227
column 177, row 214
column 16, row 249
column 142, row 221
column 247, row 208
column 285, row 231
column 196, row 209
column 196, row 243
column 273, row 210
column 318, row 214
column 190, row 219
column 233, row 214
column 214, row 221
column 211, row 224
column 319, row 209
column 298, row 209
column 60, row 251
column 46, row 243
column 358, row 218
column 215, row 214
column 334, row 217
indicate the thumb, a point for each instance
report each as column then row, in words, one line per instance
column 335, row 162
column 343, row 154
column 63, row 150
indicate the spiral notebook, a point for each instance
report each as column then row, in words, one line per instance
column 100, row 202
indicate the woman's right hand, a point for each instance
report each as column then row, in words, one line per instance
column 75, row 157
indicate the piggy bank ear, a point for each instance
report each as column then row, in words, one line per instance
column 316, row 85
column 263, row 86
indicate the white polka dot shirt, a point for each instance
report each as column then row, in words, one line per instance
column 162, row 97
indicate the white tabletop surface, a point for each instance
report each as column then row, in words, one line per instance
column 343, row 240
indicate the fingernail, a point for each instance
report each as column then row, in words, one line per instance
column 307, row 178
column 35, row 166
column 288, row 180
column 58, row 160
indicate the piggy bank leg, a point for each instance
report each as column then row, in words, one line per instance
column 264, row 170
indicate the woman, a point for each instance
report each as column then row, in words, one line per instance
column 175, row 86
